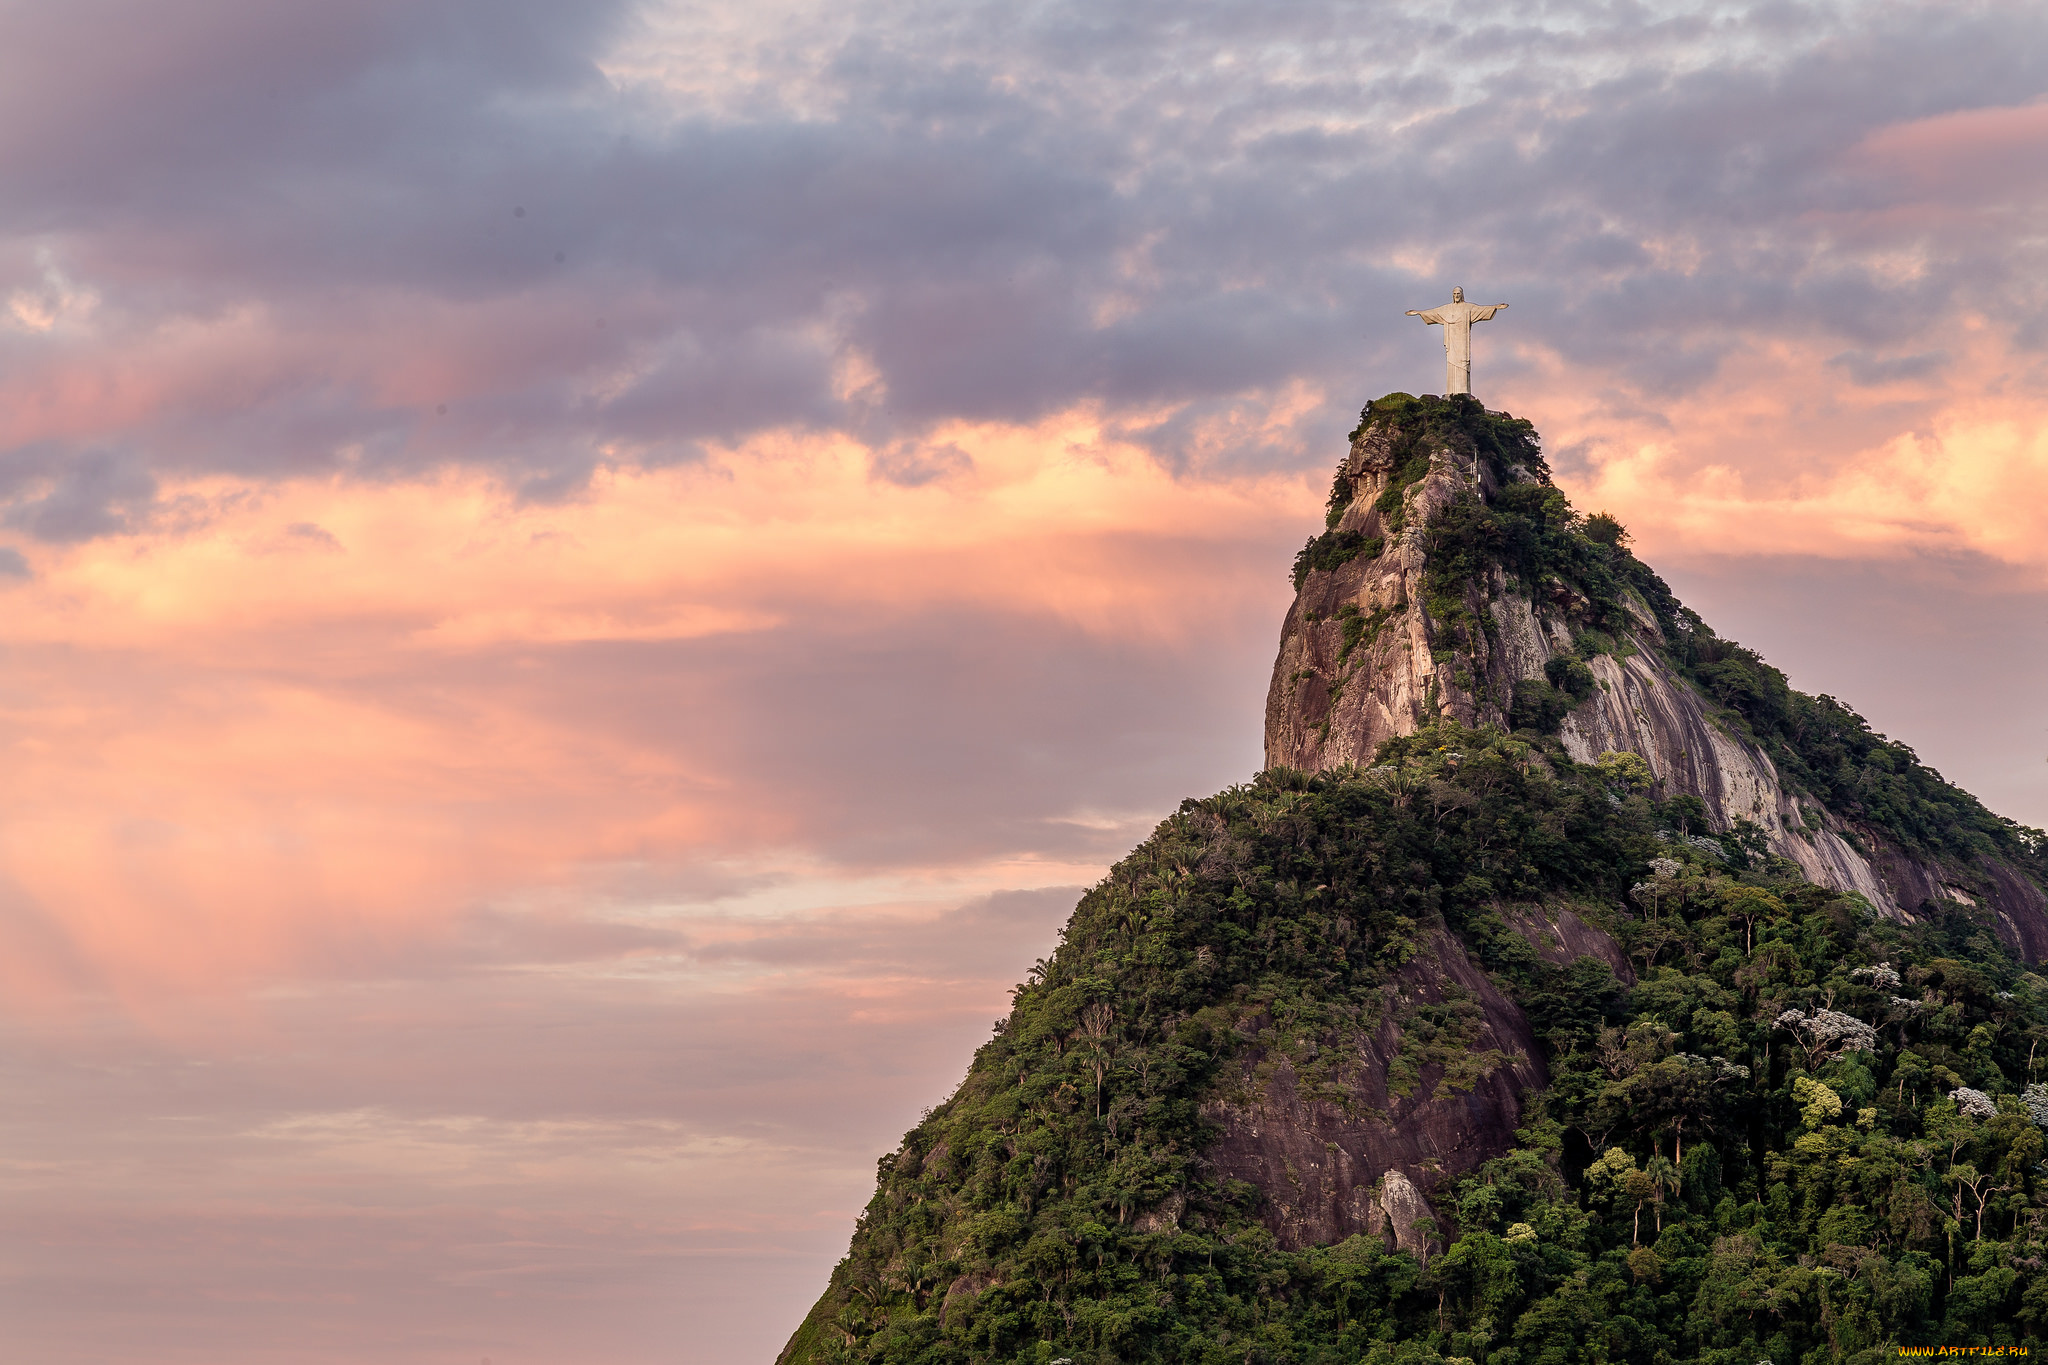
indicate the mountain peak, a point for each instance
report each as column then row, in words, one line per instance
column 1568, row 987
column 1455, row 581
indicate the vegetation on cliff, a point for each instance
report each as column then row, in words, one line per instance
column 1531, row 534
column 1711, row 1175
column 1798, row 1131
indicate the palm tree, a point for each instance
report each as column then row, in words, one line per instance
column 1097, row 1020
column 1663, row 1176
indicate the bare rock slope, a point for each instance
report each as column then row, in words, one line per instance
column 1372, row 648
column 1331, row 1166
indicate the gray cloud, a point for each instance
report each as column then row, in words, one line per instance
column 93, row 494
column 934, row 738
column 1864, row 368
column 1008, row 209
column 910, row 466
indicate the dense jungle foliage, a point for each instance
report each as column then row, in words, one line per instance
column 1530, row 532
column 1804, row 1133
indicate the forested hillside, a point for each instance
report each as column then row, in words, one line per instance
column 1754, row 1117
column 1804, row 1130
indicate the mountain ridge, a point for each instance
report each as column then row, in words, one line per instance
column 1378, row 1055
column 1637, row 699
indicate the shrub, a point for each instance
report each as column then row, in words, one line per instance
column 1567, row 674
column 1603, row 528
column 1331, row 550
column 1539, row 707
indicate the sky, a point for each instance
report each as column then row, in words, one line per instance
column 582, row 586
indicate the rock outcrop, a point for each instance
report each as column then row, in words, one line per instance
column 1366, row 655
column 1363, row 657
column 1332, row 1165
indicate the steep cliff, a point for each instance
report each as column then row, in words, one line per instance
column 1431, row 595
column 1379, row 1056
column 1360, row 1162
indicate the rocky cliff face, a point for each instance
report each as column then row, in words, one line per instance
column 1359, row 1162
column 1365, row 1157
column 1313, row 1002
column 1379, row 643
column 1371, row 648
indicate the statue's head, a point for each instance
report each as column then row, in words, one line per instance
column 1457, row 294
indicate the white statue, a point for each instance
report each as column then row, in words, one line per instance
column 1457, row 318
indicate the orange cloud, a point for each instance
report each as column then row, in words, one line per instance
column 1059, row 517
column 246, row 741
column 251, row 739
column 1780, row 457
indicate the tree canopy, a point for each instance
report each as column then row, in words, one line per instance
column 1758, row 1149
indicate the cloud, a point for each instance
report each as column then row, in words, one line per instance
column 909, row 466
column 578, row 1149
column 308, row 732
column 98, row 493
column 307, row 533
column 1967, row 159
column 1869, row 370
column 1005, row 217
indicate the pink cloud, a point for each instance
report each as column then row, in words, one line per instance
column 250, row 748
column 567, row 1157
column 1969, row 156
column 1782, row 457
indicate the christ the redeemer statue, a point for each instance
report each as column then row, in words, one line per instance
column 1457, row 318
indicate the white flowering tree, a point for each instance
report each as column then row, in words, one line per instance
column 1826, row 1034
column 1663, row 882
column 1975, row 1103
column 2036, row 1101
